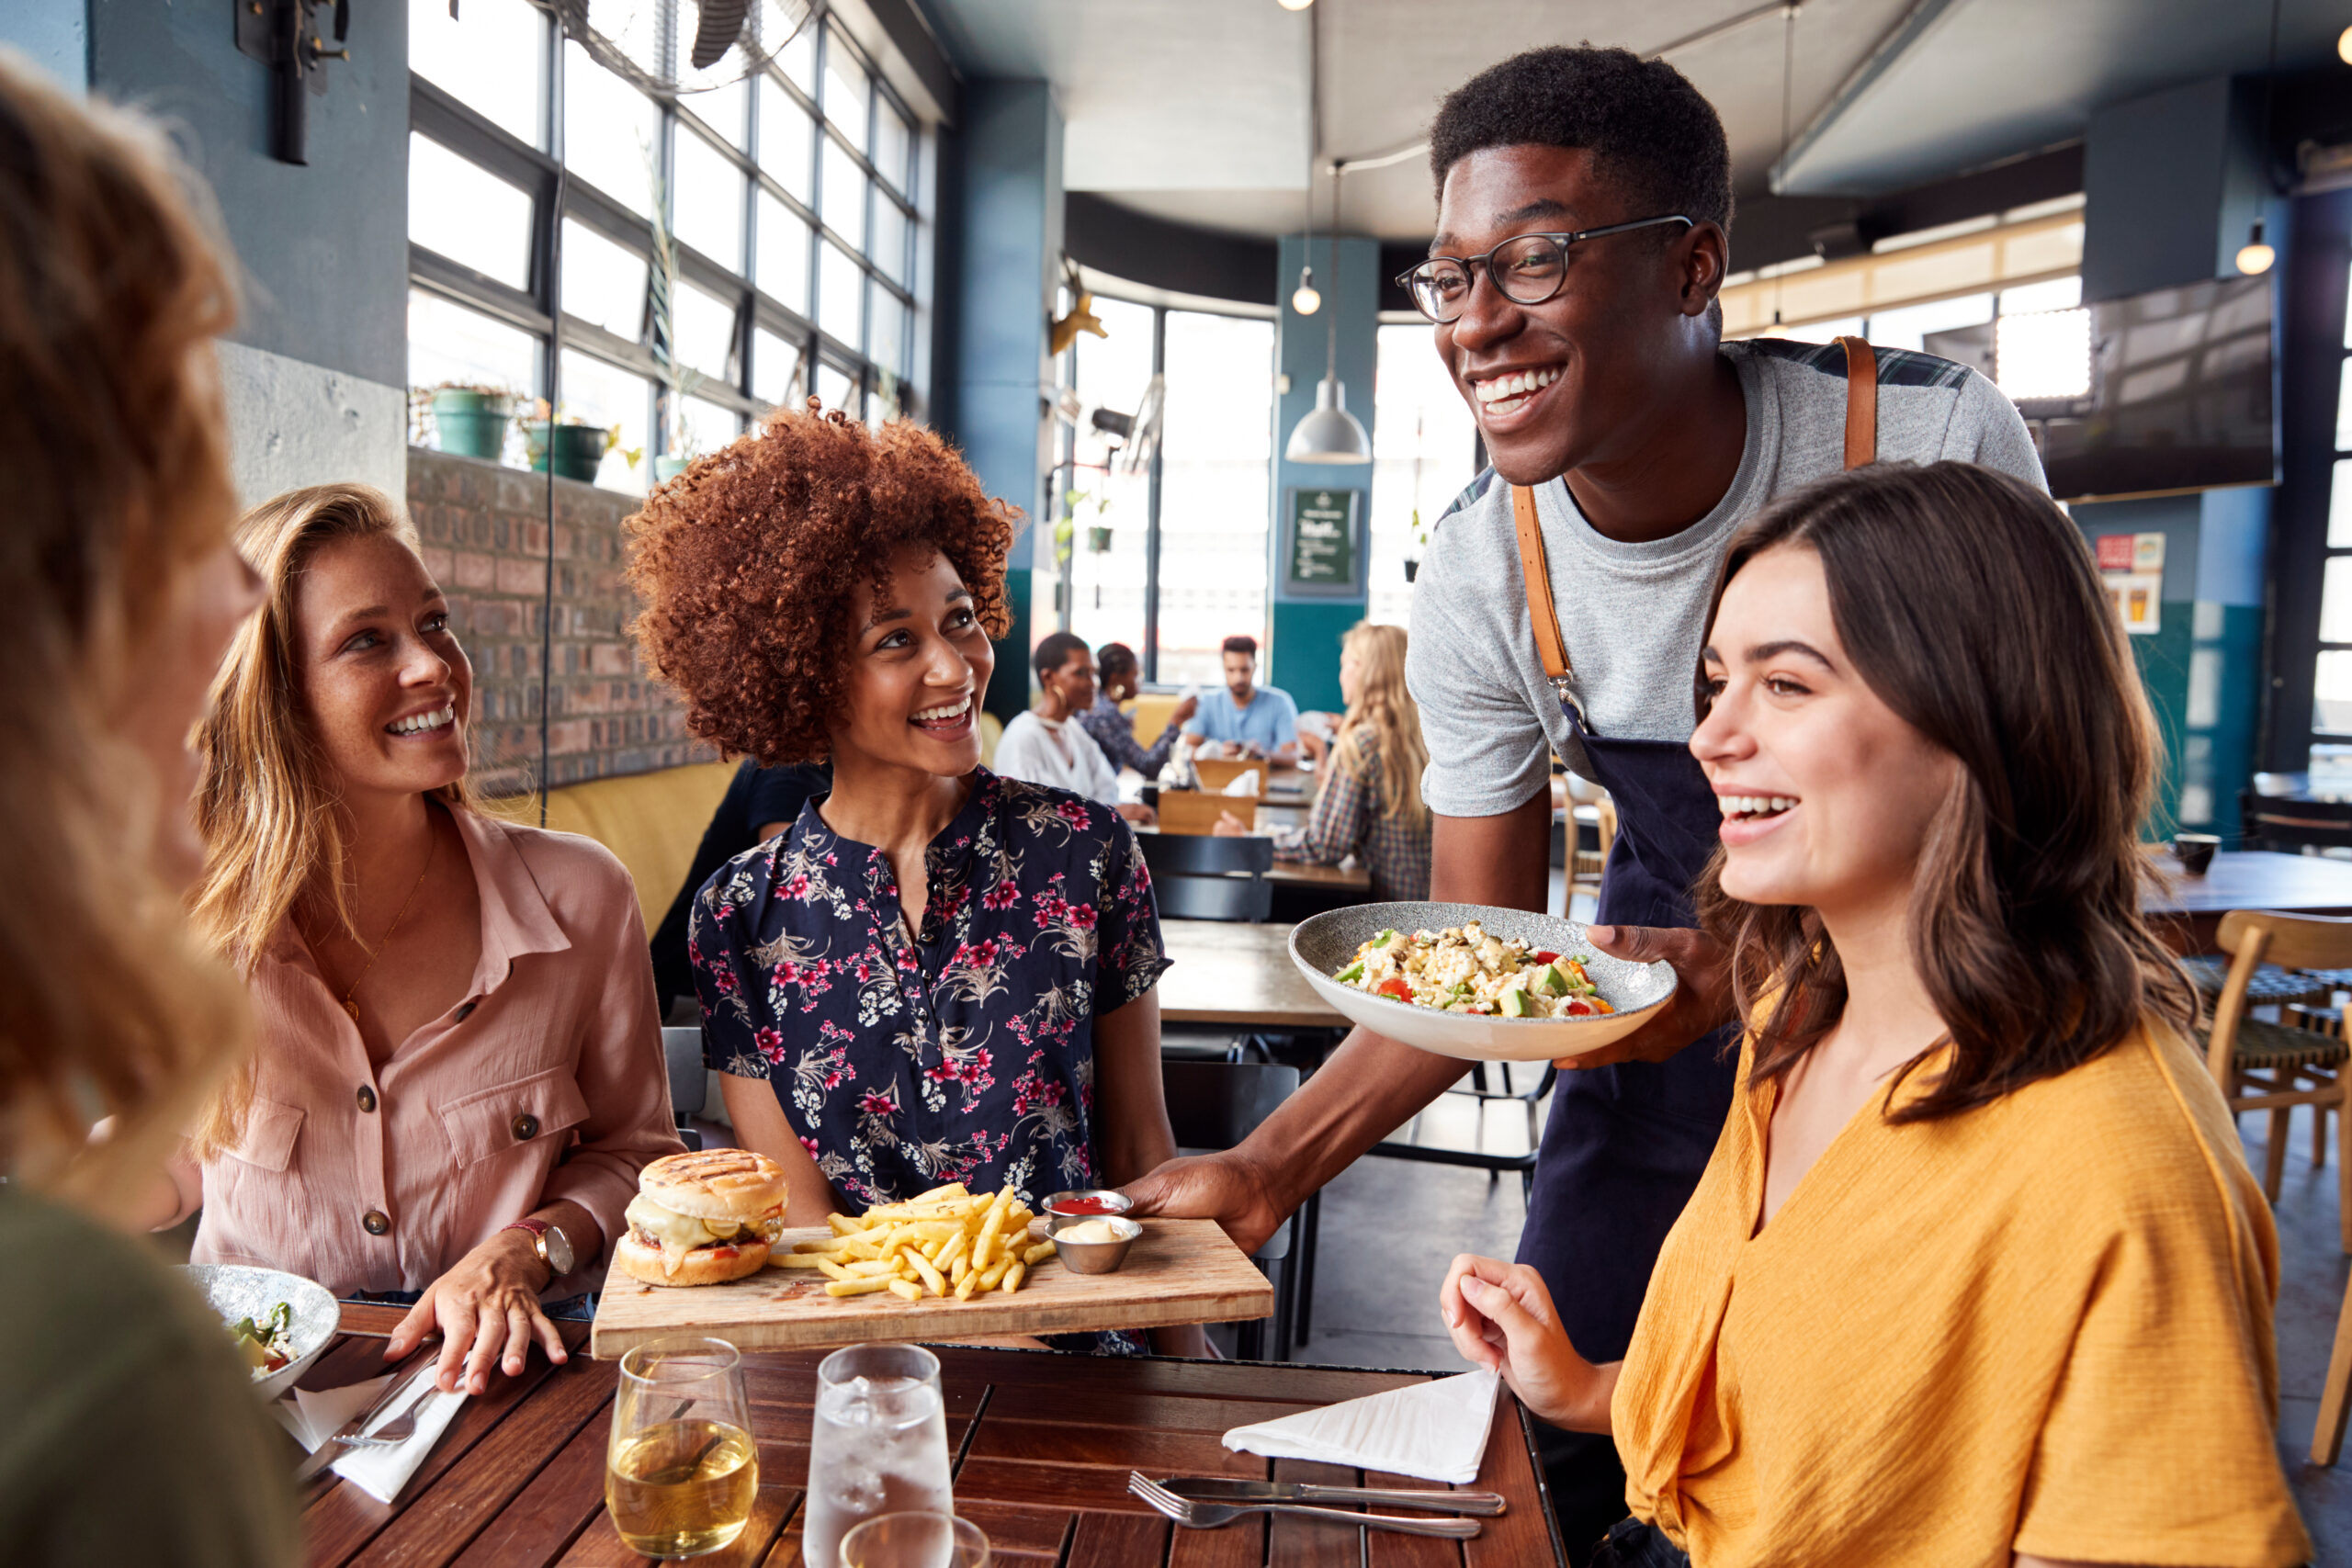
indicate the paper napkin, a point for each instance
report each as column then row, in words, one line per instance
column 1244, row 783
column 382, row 1472
column 1436, row 1430
column 312, row 1417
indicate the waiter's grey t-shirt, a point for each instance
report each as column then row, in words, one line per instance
column 1632, row 614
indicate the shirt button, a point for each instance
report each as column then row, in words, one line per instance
column 374, row 1222
column 367, row 1098
column 527, row 1127
column 465, row 1011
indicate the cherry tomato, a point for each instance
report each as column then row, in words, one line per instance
column 1577, row 1008
column 1394, row 987
column 1540, row 956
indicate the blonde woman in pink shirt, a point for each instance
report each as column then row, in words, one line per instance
column 458, row 1073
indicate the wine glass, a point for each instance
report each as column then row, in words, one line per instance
column 681, row 1471
column 915, row 1541
column 878, row 1444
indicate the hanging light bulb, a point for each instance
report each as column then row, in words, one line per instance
column 2343, row 46
column 2254, row 256
column 1294, row 4
column 1304, row 299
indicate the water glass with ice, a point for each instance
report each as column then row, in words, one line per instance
column 878, row 1444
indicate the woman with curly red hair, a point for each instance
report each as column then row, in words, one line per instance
column 937, row 974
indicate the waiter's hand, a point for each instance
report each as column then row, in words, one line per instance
column 1703, row 1000
column 1220, row 1187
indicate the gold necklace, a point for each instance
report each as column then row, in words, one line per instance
column 432, row 849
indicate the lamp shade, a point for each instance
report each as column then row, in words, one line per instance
column 1331, row 433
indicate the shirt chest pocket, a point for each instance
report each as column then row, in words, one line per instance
column 529, row 1112
column 271, row 1129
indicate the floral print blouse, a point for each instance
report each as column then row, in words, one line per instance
column 964, row 1052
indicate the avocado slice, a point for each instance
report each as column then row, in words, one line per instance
column 1514, row 1003
column 1550, row 981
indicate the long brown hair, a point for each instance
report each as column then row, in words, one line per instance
column 1968, row 603
column 113, row 283
column 1386, row 713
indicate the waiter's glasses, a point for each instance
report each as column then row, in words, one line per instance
column 1528, row 268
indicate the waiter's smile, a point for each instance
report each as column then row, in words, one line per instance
column 1506, row 395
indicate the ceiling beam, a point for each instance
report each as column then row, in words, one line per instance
column 1899, row 40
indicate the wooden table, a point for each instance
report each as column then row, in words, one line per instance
column 2189, row 910
column 1041, row 1445
column 1352, row 878
column 1239, row 976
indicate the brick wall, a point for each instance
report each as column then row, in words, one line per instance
column 484, row 530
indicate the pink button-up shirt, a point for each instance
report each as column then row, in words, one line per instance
column 547, row 1082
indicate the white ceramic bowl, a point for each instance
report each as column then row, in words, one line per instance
column 1326, row 943
column 235, row 1291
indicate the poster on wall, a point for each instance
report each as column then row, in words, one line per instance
column 2138, row 597
column 1322, row 542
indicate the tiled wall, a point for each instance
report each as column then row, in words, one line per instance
column 484, row 529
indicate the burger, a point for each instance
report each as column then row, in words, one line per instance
column 703, row 1218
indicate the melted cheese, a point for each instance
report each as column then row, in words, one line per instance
column 676, row 1235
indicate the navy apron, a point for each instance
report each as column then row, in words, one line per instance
column 1624, row 1145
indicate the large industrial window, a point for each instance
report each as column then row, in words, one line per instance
column 789, row 203
column 2332, row 679
column 1424, row 451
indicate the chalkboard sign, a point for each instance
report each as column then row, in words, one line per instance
column 1322, row 541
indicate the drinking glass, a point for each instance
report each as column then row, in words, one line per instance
column 878, row 1444
column 915, row 1541
column 682, row 1471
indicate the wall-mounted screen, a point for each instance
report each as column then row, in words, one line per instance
column 2178, row 390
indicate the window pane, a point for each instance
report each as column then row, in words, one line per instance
column 840, row 285
column 708, row 200
column 892, row 139
column 2344, row 411
column 609, row 130
column 2332, row 696
column 465, row 213
column 2058, row 294
column 1906, row 327
column 845, row 91
column 704, row 426
column 787, row 140
column 775, row 370
column 2047, row 354
column 1423, row 445
column 1106, row 584
column 798, row 59
column 493, row 61
column 598, row 394
column 719, row 108
column 705, row 330
column 890, row 247
column 783, row 254
column 835, row 389
column 843, row 207
column 2339, row 507
column 1215, row 476
column 2336, row 601
column 604, row 283
column 887, row 327
column 448, row 343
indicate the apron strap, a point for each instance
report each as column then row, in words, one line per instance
column 1862, row 402
column 1540, row 615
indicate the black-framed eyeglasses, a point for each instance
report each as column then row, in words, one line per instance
column 1528, row 268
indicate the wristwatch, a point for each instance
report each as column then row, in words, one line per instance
column 548, row 1241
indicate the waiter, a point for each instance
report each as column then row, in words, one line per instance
column 1584, row 197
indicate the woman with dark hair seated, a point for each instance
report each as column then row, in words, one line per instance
column 1114, row 731
column 1977, row 1273
column 936, row 974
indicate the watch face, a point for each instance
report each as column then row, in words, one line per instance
column 559, row 1250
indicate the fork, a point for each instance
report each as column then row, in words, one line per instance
column 402, row 1427
column 1208, row 1515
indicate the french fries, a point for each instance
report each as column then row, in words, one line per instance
column 946, row 1242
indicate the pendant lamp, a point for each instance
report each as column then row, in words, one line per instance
column 1331, row 433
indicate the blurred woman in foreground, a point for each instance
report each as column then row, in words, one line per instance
column 459, row 1067
column 131, row 1433
column 1977, row 1273
column 1370, row 804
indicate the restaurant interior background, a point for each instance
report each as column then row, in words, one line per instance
column 896, row 213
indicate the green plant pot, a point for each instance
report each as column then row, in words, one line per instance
column 1098, row 540
column 668, row 469
column 579, row 451
column 471, row 424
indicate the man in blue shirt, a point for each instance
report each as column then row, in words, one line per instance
column 1246, row 722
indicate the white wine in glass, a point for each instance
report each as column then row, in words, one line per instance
column 682, row 1471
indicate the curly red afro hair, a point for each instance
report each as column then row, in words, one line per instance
column 748, row 564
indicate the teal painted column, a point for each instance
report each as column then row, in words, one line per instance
column 1309, row 622
column 1013, row 247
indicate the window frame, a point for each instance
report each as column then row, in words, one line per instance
column 556, row 195
column 2313, row 342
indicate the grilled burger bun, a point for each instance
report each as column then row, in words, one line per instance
column 703, row 1218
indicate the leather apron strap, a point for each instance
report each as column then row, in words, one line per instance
column 1862, row 402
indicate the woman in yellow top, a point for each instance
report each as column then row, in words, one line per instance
column 1977, row 1274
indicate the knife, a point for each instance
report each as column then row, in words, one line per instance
column 1441, row 1501
column 325, row 1453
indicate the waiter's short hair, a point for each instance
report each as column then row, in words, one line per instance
column 1055, row 651
column 1241, row 644
column 1648, row 128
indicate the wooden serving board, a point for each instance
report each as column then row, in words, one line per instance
column 1177, row 1271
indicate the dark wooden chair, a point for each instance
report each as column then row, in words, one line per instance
column 2280, row 822
column 1213, row 1106
column 2276, row 1067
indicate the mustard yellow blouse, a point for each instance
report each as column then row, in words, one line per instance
column 2043, row 1326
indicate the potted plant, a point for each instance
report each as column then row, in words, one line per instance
column 1420, row 542
column 677, row 382
column 1098, row 532
column 573, row 448
column 469, row 421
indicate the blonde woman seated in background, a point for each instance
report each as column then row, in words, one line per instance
column 1370, row 804
column 130, row 1433
column 1977, row 1274
column 459, row 1072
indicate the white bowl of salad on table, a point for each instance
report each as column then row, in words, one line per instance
column 1476, row 982
column 279, row 1321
